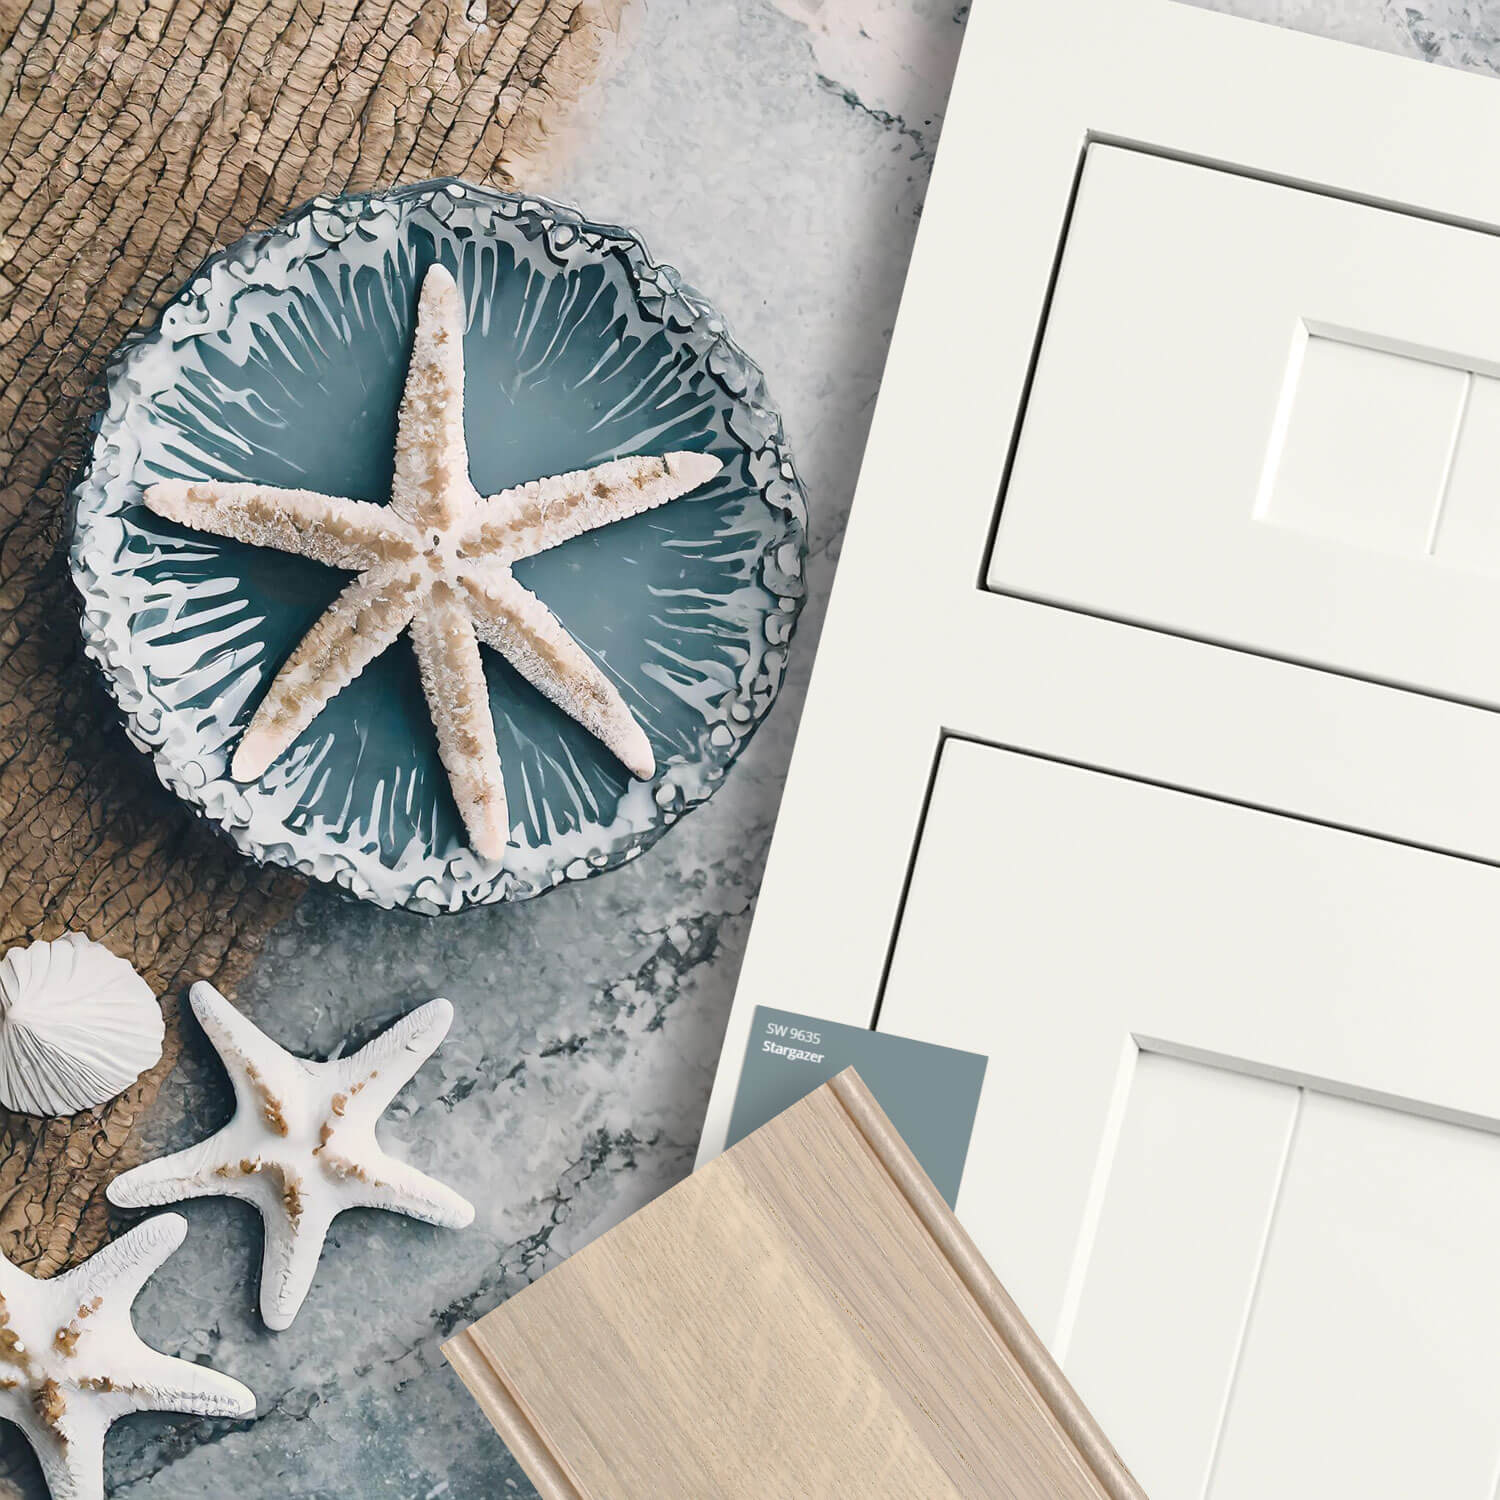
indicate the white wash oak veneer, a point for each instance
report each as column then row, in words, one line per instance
column 803, row 1318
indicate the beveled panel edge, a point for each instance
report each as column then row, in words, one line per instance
column 994, row 1302
column 499, row 1403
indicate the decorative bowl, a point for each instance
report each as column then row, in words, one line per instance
column 281, row 361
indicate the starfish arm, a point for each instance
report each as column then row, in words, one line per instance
column 365, row 618
column 193, row 1173
column 533, row 517
column 341, row 533
column 72, row 1468
column 400, row 1188
column 160, row 1382
column 294, row 1246
column 14, row 1282
column 457, row 694
column 125, row 1265
column 531, row 638
column 267, row 1080
column 265, row 1076
column 383, row 1067
column 432, row 463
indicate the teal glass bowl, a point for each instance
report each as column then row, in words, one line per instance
column 282, row 361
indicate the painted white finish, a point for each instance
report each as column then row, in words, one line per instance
column 1369, row 1363
column 1226, row 1170
column 914, row 643
column 1252, row 1275
column 1468, row 527
column 1122, row 948
column 1367, row 447
column 1273, row 384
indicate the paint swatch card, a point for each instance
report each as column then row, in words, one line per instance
column 930, row 1093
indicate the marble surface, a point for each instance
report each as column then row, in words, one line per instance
column 777, row 152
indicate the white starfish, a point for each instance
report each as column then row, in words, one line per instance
column 71, row 1361
column 438, row 558
column 301, row 1145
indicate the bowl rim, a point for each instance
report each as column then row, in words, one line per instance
column 460, row 880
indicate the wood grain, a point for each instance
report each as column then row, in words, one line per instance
column 135, row 138
column 802, row 1317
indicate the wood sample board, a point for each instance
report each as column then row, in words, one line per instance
column 803, row 1317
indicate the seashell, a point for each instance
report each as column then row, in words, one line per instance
column 77, row 1026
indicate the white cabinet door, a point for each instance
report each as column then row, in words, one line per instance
column 1237, row 1153
column 1268, row 417
column 1153, row 745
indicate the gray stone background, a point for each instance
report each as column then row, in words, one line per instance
column 777, row 152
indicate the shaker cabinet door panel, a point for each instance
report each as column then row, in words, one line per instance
column 1267, row 417
column 1152, row 748
column 1237, row 1153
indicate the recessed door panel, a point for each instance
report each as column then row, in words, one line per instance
column 1229, row 1167
column 1370, row 1318
column 1267, row 417
column 1238, row 1150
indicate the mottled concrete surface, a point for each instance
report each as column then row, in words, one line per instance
column 777, row 153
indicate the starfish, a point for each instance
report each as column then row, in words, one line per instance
column 301, row 1145
column 439, row 559
column 71, row 1361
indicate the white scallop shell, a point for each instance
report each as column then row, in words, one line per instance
column 77, row 1026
